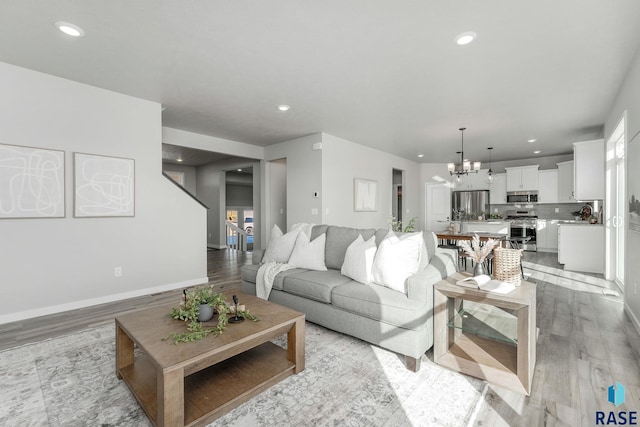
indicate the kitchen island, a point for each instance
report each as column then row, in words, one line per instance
column 581, row 246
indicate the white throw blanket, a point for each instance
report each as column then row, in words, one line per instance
column 266, row 275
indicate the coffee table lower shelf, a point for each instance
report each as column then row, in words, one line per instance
column 213, row 391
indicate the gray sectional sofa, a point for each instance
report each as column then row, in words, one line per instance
column 376, row 314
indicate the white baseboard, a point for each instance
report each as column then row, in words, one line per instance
column 633, row 318
column 44, row 311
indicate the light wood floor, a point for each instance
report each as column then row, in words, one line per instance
column 586, row 342
column 223, row 270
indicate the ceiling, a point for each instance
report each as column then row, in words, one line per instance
column 386, row 74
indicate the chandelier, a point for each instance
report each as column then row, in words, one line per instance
column 464, row 168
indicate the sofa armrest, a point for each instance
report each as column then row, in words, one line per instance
column 443, row 264
column 257, row 256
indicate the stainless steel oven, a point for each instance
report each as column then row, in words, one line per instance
column 523, row 228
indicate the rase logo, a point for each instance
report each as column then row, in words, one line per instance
column 615, row 395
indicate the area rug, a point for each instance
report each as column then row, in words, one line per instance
column 70, row 381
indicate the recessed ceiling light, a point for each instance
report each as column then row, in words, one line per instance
column 179, row 159
column 283, row 107
column 69, row 29
column 466, row 38
column 239, row 170
column 532, row 140
column 420, row 155
column 537, row 152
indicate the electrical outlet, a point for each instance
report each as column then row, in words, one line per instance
column 557, row 210
column 117, row 272
column 209, row 235
column 281, row 211
column 314, row 211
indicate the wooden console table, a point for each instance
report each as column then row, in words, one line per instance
column 507, row 362
column 191, row 384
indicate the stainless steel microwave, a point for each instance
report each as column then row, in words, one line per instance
column 522, row 197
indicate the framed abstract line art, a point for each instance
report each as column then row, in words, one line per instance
column 31, row 182
column 365, row 195
column 104, row 186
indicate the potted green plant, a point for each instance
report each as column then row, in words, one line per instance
column 198, row 306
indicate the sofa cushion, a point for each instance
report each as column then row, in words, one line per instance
column 358, row 260
column 317, row 230
column 280, row 245
column 315, row 285
column 338, row 240
column 250, row 271
column 380, row 303
column 308, row 254
column 397, row 259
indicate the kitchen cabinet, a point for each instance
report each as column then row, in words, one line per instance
column 589, row 164
column 548, row 184
column 474, row 181
column 547, row 235
column 565, row 182
column 498, row 190
column 581, row 247
column 522, row 178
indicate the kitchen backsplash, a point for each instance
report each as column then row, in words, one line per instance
column 548, row 211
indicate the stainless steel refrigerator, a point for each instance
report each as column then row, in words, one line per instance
column 466, row 205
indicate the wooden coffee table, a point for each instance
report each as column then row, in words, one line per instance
column 194, row 383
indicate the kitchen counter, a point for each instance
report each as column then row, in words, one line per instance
column 579, row 223
column 581, row 247
column 489, row 226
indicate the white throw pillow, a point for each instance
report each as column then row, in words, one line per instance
column 358, row 260
column 309, row 255
column 397, row 259
column 280, row 246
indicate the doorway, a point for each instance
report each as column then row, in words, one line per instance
column 615, row 204
column 397, row 177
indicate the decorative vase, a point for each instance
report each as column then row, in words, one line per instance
column 478, row 269
column 205, row 313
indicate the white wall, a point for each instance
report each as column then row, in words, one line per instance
column 278, row 193
column 342, row 162
column 304, row 176
column 239, row 195
column 189, row 175
column 629, row 99
column 51, row 265
column 211, row 143
column 211, row 190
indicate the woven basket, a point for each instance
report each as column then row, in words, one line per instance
column 506, row 265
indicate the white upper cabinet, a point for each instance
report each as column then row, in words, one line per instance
column 589, row 170
column 548, row 184
column 498, row 189
column 565, row 182
column 522, row 178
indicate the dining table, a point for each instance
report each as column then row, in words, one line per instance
column 483, row 236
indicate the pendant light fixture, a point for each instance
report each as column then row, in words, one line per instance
column 464, row 168
column 489, row 179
